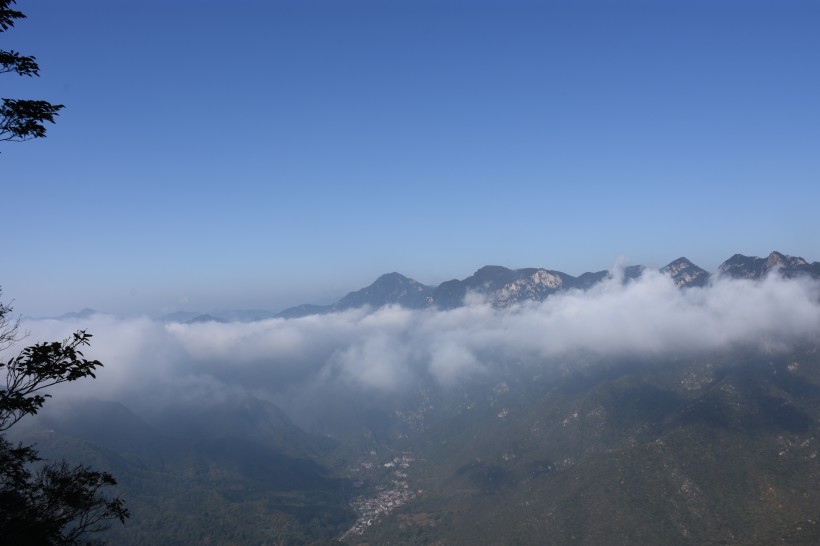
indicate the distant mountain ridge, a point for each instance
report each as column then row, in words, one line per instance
column 752, row 267
column 505, row 287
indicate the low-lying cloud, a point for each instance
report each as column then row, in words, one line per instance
column 389, row 348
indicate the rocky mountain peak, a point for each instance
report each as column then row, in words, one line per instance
column 776, row 260
column 676, row 266
column 530, row 285
column 390, row 288
column 742, row 267
column 752, row 267
column 685, row 273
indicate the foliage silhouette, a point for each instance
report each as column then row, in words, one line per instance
column 21, row 119
column 52, row 503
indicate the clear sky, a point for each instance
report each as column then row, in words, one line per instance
column 261, row 154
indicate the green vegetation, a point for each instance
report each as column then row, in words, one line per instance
column 216, row 487
column 689, row 451
column 52, row 503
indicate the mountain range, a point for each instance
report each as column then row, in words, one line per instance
column 501, row 286
column 505, row 287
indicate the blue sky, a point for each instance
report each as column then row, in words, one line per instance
column 260, row 154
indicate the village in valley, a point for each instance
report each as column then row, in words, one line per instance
column 392, row 492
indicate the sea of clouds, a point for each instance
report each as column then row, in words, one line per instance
column 386, row 349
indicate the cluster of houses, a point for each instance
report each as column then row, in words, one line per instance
column 393, row 493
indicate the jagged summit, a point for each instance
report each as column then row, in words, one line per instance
column 742, row 267
column 504, row 286
column 685, row 273
column 752, row 267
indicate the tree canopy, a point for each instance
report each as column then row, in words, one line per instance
column 21, row 119
column 54, row 503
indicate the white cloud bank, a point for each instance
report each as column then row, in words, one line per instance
column 387, row 348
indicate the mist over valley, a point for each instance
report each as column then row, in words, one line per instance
column 390, row 416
